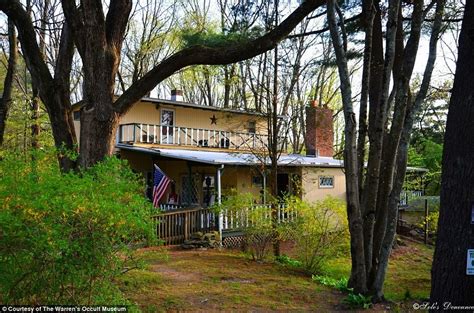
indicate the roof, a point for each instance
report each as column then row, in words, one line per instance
column 229, row 158
column 79, row 104
column 200, row 106
column 237, row 158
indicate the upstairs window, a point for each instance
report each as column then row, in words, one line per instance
column 326, row 182
column 252, row 127
column 76, row 115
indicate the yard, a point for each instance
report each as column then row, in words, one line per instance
column 211, row 280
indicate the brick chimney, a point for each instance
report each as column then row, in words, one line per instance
column 319, row 138
column 176, row 95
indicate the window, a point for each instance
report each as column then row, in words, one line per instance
column 326, row 181
column 167, row 126
column 76, row 115
column 252, row 127
column 190, row 190
column 257, row 180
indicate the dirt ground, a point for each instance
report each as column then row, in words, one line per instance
column 227, row 280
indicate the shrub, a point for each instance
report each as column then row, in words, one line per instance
column 259, row 232
column 63, row 237
column 259, row 235
column 319, row 231
column 432, row 220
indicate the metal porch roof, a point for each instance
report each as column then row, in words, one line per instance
column 228, row 158
column 244, row 159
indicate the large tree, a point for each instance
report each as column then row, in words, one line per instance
column 5, row 101
column 98, row 37
column 450, row 282
column 387, row 108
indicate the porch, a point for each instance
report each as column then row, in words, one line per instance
column 176, row 225
column 155, row 134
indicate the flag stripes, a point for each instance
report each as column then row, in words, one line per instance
column 160, row 183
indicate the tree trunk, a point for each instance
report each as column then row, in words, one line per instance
column 35, row 105
column 358, row 273
column 97, row 140
column 379, row 89
column 274, row 147
column 6, row 99
column 450, row 284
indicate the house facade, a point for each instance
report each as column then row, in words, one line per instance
column 208, row 151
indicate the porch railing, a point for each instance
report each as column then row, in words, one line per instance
column 175, row 226
column 241, row 219
column 408, row 195
column 170, row 207
column 194, row 137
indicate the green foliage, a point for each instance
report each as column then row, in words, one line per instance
column 428, row 154
column 339, row 284
column 211, row 38
column 354, row 301
column 319, row 232
column 358, row 301
column 432, row 220
column 260, row 232
column 64, row 237
column 286, row 260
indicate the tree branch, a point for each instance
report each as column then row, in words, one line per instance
column 116, row 21
column 33, row 57
column 325, row 29
column 198, row 54
column 65, row 55
column 73, row 14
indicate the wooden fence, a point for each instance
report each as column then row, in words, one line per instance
column 176, row 225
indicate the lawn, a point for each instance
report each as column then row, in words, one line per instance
column 212, row 280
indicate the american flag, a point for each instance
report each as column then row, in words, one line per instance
column 160, row 183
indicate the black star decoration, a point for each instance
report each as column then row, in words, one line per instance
column 213, row 119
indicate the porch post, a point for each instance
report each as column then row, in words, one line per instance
column 264, row 175
column 219, row 199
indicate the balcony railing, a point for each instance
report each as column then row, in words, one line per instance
column 192, row 137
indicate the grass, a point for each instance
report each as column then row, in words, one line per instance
column 408, row 274
column 228, row 280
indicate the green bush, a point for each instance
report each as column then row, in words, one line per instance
column 63, row 237
column 259, row 233
column 319, row 231
column 432, row 220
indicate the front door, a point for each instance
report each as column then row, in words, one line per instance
column 283, row 185
column 167, row 126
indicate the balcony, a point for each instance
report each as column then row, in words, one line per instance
column 192, row 137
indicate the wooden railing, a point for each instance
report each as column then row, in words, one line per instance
column 243, row 218
column 174, row 227
column 170, row 207
column 193, row 137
